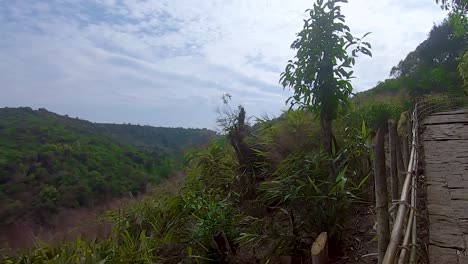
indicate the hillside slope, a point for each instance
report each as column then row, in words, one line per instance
column 430, row 68
column 49, row 161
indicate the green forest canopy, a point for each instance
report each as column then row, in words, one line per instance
column 49, row 161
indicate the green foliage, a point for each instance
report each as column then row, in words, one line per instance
column 457, row 16
column 375, row 112
column 161, row 141
column 48, row 162
column 180, row 228
column 294, row 198
column 294, row 131
column 463, row 70
column 297, row 188
column 165, row 229
column 215, row 168
column 440, row 49
column 461, row 5
column 459, row 21
column 48, row 197
column 320, row 72
column 430, row 68
column 212, row 191
column 306, row 202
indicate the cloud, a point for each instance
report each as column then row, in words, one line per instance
column 167, row 62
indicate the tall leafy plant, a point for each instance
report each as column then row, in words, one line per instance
column 320, row 74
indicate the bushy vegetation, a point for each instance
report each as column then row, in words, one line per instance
column 264, row 192
column 463, row 70
column 48, row 162
column 295, row 200
column 430, row 68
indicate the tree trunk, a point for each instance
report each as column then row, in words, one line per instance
column 381, row 202
column 319, row 250
column 327, row 132
column 237, row 138
column 245, row 155
column 404, row 142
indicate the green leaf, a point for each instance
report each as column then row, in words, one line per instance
column 363, row 129
column 367, row 44
column 189, row 251
column 366, row 51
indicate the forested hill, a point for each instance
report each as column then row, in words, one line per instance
column 49, row 161
column 431, row 68
column 169, row 140
column 172, row 141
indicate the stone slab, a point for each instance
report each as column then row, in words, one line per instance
column 443, row 255
column 446, row 119
column 445, row 143
column 459, row 193
column 457, row 131
column 459, row 111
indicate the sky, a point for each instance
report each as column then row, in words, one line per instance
column 168, row 62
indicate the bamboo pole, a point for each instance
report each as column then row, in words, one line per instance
column 381, row 192
column 319, row 250
column 413, row 240
column 392, row 248
column 409, row 228
column 399, row 221
column 413, row 204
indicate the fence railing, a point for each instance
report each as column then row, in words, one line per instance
column 402, row 244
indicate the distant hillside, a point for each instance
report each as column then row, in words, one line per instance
column 49, row 161
column 430, row 68
column 172, row 141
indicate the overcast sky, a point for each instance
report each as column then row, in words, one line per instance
column 168, row 62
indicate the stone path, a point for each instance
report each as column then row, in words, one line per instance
column 445, row 142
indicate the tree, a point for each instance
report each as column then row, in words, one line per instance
column 441, row 48
column 432, row 66
column 463, row 70
column 457, row 16
column 320, row 74
column 461, row 5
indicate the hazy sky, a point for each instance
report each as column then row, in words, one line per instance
column 168, row 62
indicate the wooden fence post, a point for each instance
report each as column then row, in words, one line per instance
column 381, row 193
column 319, row 250
column 393, row 141
column 405, row 151
column 401, row 167
column 409, row 138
